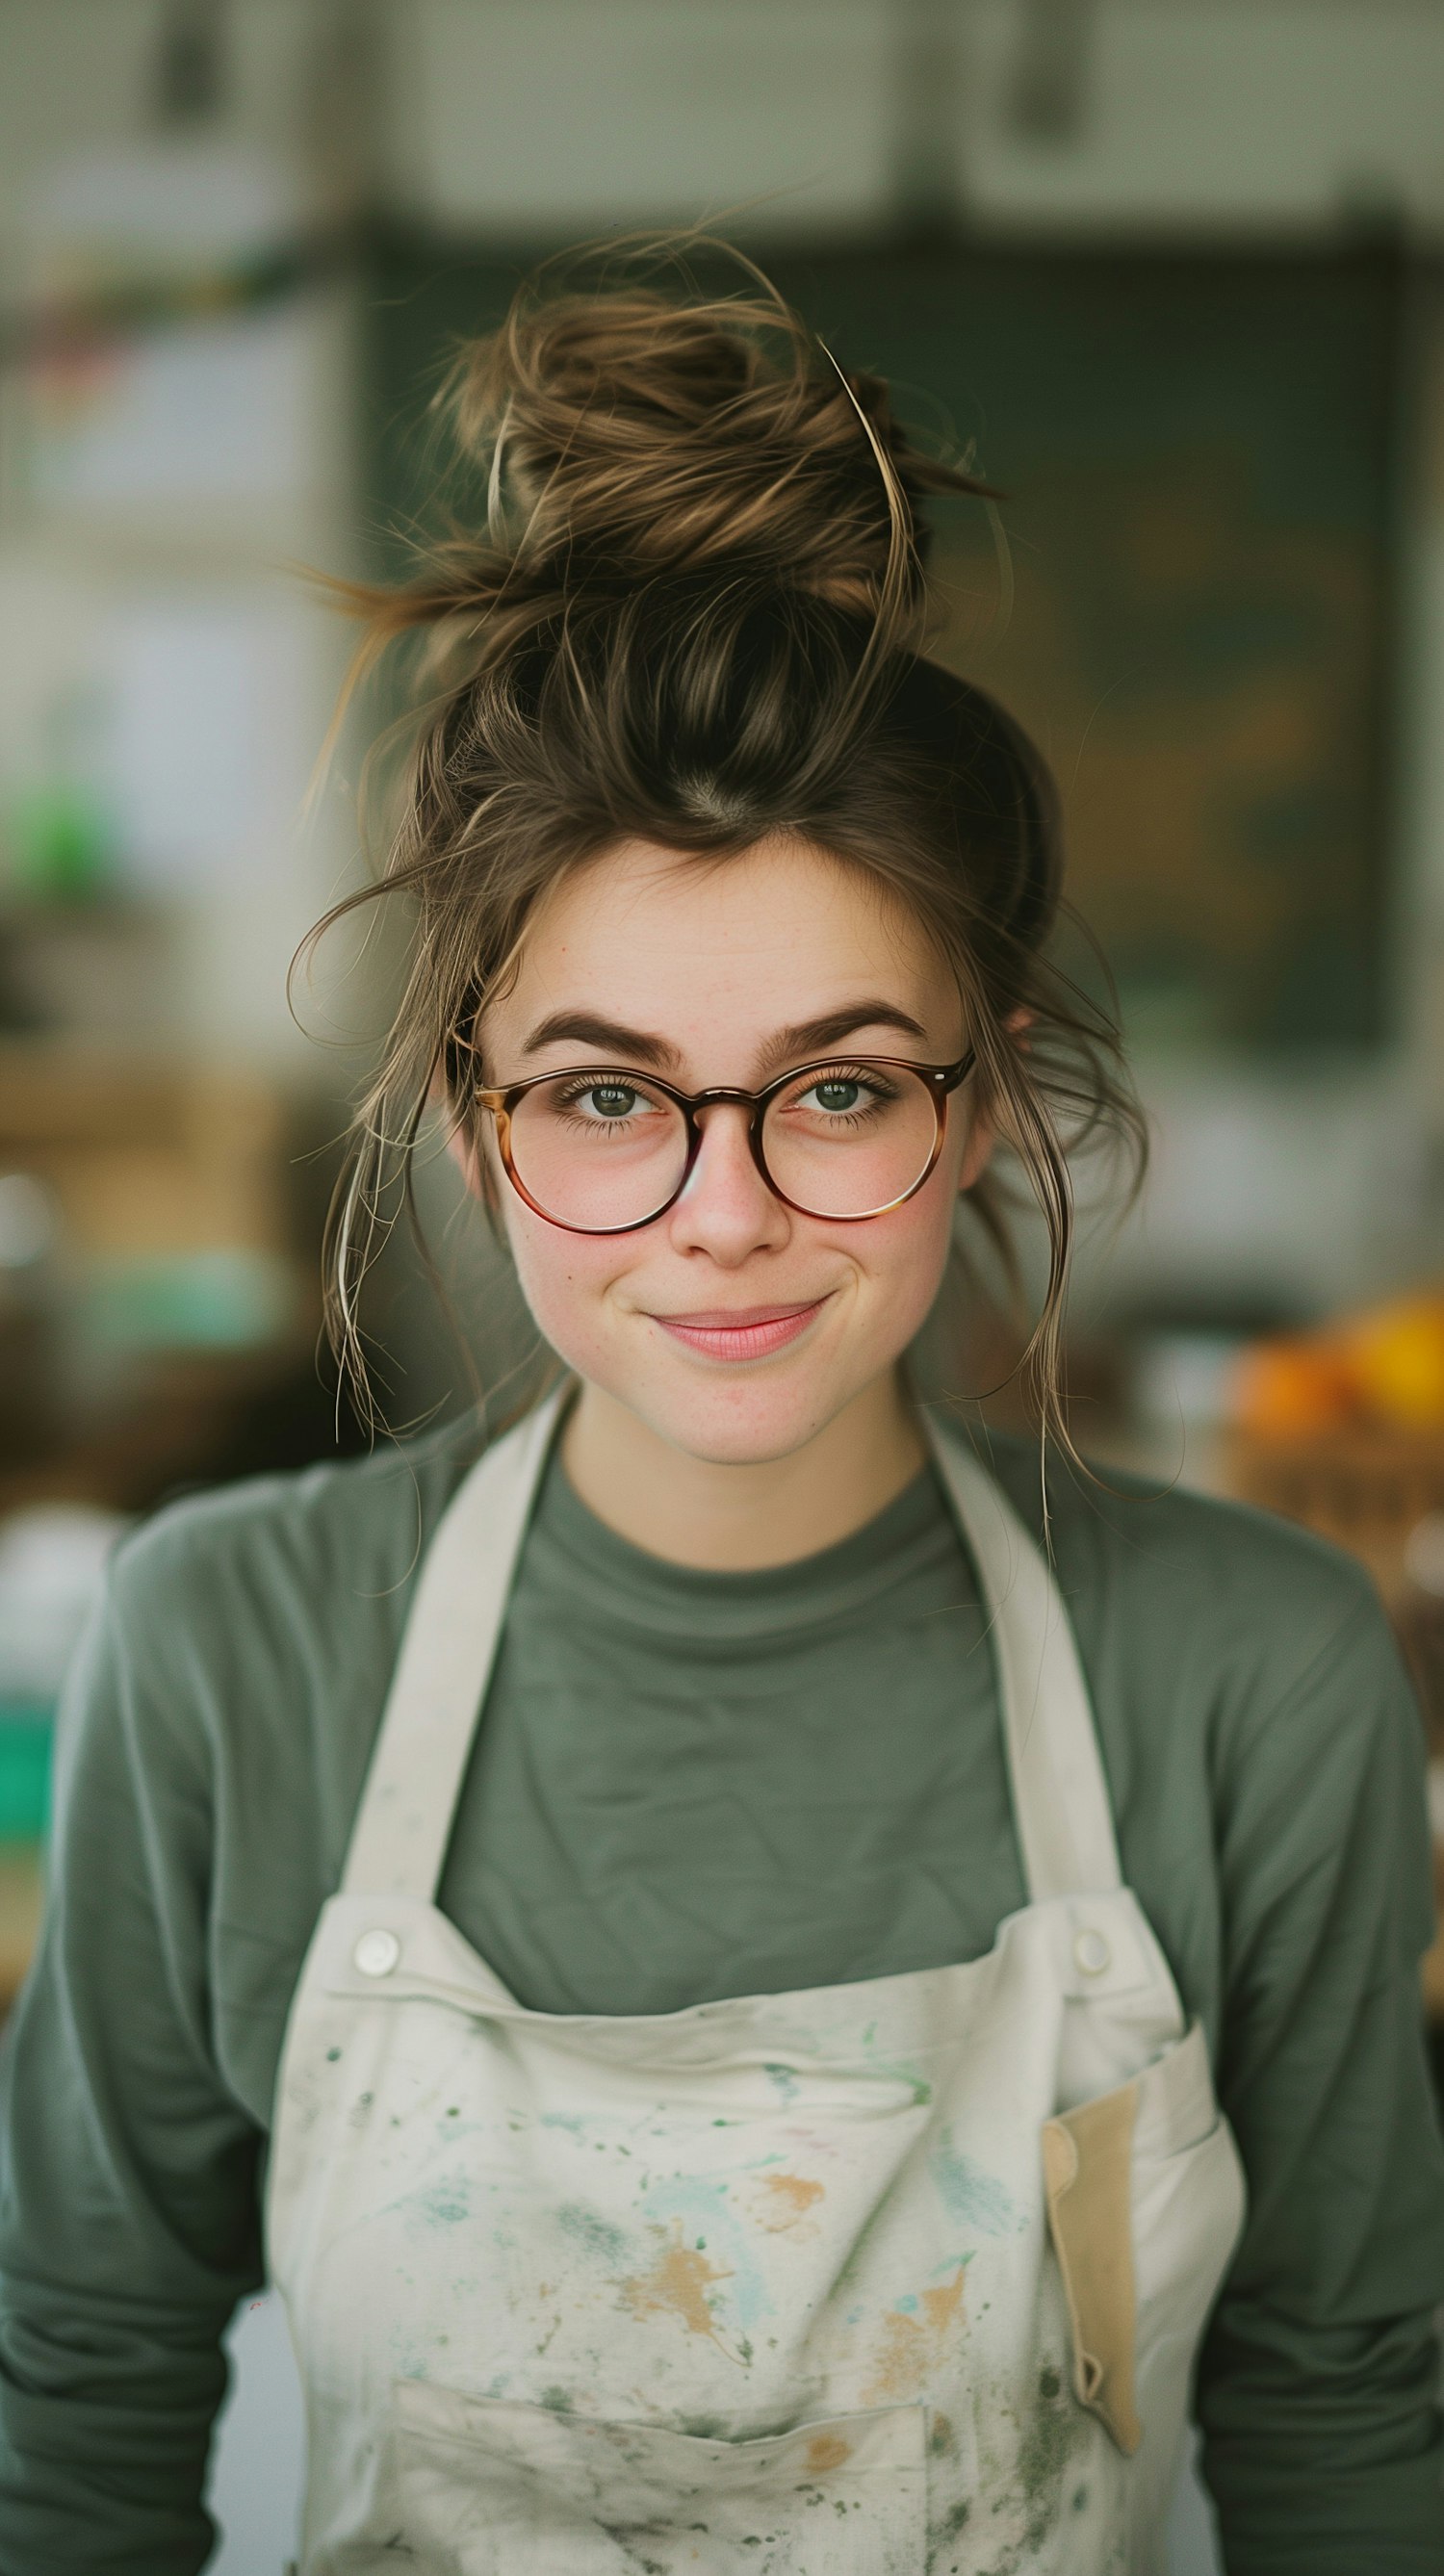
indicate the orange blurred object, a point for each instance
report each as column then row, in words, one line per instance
column 1396, row 1358
column 1384, row 1366
column 1287, row 1389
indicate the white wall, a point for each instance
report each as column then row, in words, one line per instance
column 79, row 73
column 1225, row 113
column 1229, row 112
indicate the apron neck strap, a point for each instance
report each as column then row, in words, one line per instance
column 1061, row 1805
column 398, row 1844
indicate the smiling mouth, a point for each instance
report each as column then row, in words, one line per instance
column 741, row 1333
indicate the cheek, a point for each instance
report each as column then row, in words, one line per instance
column 564, row 1278
column 906, row 1253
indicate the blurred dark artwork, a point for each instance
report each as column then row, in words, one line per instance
column 1199, row 454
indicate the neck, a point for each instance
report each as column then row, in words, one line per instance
column 726, row 1518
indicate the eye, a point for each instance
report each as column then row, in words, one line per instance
column 610, row 1099
column 836, row 1093
column 843, row 1092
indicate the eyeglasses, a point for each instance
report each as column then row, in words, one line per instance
column 605, row 1149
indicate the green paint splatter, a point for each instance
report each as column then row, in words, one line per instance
column 604, row 2243
column 1049, row 2438
column 921, row 2090
column 970, row 2192
column 443, row 2203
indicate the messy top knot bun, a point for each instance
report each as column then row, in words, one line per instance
column 623, row 436
column 632, row 437
column 686, row 605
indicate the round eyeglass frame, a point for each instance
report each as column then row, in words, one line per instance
column 938, row 1080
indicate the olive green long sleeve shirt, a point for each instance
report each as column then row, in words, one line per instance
column 689, row 1785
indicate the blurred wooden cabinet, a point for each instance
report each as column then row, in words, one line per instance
column 146, row 1157
column 184, row 1284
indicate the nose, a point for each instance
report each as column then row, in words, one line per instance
column 727, row 1209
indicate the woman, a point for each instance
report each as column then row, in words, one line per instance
column 764, row 1987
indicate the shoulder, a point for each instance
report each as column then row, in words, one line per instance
column 1262, row 1740
column 1190, row 1546
column 307, row 1550
column 1203, row 1603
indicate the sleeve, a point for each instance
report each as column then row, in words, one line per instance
column 1319, row 2379
column 128, row 2175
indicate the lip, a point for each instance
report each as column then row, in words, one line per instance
column 741, row 1332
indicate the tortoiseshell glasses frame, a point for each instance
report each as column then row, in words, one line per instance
column 938, row 1082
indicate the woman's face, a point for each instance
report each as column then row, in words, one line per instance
column 733, row 1327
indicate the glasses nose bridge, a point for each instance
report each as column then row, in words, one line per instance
column 726, row 1095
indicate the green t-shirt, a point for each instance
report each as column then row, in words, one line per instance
column 689, row 1785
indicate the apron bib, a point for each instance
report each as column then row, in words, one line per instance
column 896, row 2278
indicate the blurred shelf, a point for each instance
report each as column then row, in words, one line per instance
column 197, row 1418
column 1432, row 1976
column 22, row 1889
column 1365, row 1486
column 81, row 969
column 111, row 909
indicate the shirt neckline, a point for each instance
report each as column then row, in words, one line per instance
column 642, row 1589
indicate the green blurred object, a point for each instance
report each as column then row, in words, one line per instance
column 224, row 1299
column 26, row 1730
column 62, row 844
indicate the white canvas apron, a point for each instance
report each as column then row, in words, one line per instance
column 867, row 2280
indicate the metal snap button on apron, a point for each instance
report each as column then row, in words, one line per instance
column 376, row 1953
column 1091, row 1952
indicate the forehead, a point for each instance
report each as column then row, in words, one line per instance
column 778, row 932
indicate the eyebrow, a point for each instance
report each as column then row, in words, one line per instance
column 805, row 1039
column 814, row 1037
column 584, row 1028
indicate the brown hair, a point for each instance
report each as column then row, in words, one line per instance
column 695, row 616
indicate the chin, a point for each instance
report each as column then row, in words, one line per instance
column 748, row 1418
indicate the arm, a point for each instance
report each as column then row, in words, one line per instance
column 128, row 2188
column 1318, row 2382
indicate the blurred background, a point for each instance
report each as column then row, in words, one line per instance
column 1173, row 266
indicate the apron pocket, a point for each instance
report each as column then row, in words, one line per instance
column 1188, row 2210
column 483, row 2488
column 1145, row 2202
column 1088, row 2177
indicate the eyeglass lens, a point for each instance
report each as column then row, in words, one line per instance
column 603, row 1150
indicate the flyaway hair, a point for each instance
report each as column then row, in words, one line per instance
column 690, row 606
